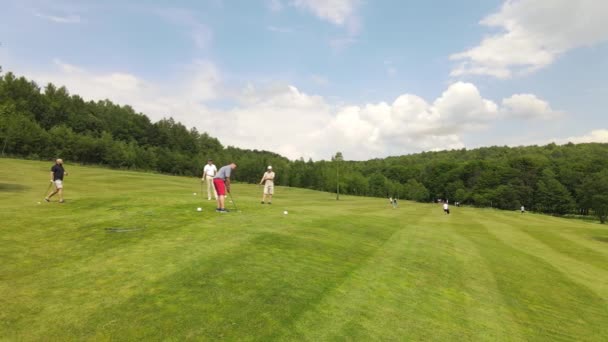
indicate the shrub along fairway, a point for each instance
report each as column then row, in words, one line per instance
column 353, row 269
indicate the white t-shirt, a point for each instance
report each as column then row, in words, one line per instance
column 445, row 206
column 269, row 175
column 210, row 170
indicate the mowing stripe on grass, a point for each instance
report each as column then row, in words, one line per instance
column 353, row 269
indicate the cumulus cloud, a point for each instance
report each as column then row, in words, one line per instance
column 282, row 118
column 279, row 118
column 527, row 106
column 598, row 136
column 183, row 96
column 533, row 33
column 410, row 123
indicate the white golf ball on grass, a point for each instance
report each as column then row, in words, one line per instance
column 199, row 209
column 285, row 212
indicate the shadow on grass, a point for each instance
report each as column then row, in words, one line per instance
column 601, row 238
column 7, row 187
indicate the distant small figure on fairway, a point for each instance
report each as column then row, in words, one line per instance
column 57, row 173
column 392, row 202
column 209, row 171
column 523, row 209
column 446, row 208
column 268, row 181
column 221, row 181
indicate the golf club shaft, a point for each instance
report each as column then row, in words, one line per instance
column 47, row 189
column 233, row 202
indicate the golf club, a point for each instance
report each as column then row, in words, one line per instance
column 233, row 202
column 47, row 189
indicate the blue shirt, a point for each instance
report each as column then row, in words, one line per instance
column 224, row 172
column 58, row 172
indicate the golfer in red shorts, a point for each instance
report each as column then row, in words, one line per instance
column 221, row 181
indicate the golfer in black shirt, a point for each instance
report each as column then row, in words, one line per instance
column 57, row 173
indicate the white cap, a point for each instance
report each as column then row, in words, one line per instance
column 269, row 167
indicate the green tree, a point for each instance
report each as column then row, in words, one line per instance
column 377, row 185
column 416, row 191
column 552, row 196
column 594, row 194
column 338, row 160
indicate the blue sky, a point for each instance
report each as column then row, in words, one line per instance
column 312, row 77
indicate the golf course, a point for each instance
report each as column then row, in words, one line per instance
column 129, row 257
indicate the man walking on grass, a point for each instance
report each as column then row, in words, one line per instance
column 268, row 181
column 208, row 173
column 446, row 208
column 57, row 173
column 221, row 181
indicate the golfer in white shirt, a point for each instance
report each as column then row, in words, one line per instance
column 208, row 173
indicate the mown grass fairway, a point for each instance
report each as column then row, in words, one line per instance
column 349, row 270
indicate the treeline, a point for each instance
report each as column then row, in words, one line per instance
column 47, row 123
column 553, row 179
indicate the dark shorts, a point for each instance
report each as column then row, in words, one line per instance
column 220, row 186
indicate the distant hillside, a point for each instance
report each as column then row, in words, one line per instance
column 46, row 123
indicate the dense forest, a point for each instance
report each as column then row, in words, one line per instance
column 47, row 123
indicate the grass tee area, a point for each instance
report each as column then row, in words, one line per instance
column 129, row 257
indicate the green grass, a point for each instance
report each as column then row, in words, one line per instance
column 353, row 269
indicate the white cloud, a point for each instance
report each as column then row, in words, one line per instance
column 341, row 13
column 598, row 136
column 67, row 19
column 337, row 12
column 527, row 106
column 182, row 97
column 409, row 124
column 533, row 34
column 282, row 118
column 279, row 118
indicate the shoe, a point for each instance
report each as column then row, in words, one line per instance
column 269, row 202
column 224, row 211
column 218, row 210
column 61, row 201
column 46, row 199
column 209, row 199
column 262, row 202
